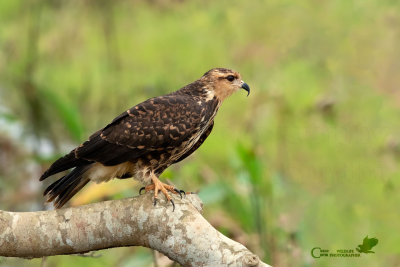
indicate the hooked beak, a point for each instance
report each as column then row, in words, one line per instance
column 246, row 87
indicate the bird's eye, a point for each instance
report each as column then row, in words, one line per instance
column 230, row 78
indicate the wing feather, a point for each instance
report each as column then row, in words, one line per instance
column 156, row 124
column 160, row 122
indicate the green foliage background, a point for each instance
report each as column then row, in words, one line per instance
column 310, row 158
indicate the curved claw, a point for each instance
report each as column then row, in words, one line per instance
column 183, row 192
column 178, row 192
column 172, row 202
column 141, row 189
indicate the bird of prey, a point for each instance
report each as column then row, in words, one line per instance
column 146, row 139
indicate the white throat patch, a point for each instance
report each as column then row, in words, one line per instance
column 210, row 95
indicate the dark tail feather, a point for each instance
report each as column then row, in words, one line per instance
column 67, row 162
column 67, row 186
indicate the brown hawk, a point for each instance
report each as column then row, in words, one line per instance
column 146, row 139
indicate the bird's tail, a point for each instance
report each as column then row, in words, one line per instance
column 64, row 163
column 67, row 186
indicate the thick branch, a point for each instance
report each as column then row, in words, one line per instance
column 183, row 235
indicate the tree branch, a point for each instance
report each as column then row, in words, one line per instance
column 183, row 235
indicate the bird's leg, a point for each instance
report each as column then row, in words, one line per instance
column 157, row 186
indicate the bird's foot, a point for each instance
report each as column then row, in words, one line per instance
column 158, row 186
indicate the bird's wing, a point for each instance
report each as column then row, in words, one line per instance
column 156, row 124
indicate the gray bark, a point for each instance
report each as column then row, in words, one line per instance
column 183, row 235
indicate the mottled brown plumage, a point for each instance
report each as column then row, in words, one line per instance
column 146, row 139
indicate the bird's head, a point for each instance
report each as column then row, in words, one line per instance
column 223, row 82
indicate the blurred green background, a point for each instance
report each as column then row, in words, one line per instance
column 309, row 159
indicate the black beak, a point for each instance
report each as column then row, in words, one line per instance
column 246, row 87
